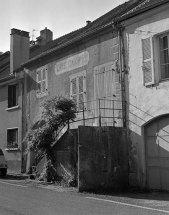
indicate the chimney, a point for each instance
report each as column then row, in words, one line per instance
column 46, row 36
column 19, row 48
column 88, row 22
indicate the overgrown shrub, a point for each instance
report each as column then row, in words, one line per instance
column 57, row 113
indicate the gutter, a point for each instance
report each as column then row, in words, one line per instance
column 7, row 78
column 132, row 14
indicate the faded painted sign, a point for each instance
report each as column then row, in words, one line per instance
column 71, row 63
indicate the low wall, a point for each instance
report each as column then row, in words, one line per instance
column 102, row 158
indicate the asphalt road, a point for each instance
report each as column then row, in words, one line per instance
column 25, row 200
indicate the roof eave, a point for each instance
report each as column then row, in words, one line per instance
column 133, row 14
column 7, row 78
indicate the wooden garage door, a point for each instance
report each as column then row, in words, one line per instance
column 157, row 153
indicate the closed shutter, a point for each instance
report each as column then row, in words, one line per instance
column 148, row 66
column 81, row 92
column 43, row 79
column 38, row 78
column 74, row 90
column 78, row 90
column 104, row 82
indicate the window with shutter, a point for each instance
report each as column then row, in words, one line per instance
column 148, row 67
column 42, row 84
column 78, row 89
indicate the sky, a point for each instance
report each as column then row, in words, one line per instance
column 60, row 16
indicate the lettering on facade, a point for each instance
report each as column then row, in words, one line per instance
column 71, row 63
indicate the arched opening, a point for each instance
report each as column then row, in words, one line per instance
column 157, row 153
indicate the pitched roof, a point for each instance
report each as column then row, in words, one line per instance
column 4, row 65
column 36, row 51
column 84, row 31
column 146, row 4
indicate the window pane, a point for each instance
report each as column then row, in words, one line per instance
column 39, row 76
column 163, row 42
column 43, row 86
column 12, row 96
column 164, row 71
column 12, row 138
column 44, row 74
column 164, row 57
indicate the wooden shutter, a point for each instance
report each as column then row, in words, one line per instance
column 43, row 81
column 38, row 78
column 46, row 73
column 81, row 91
column 148, row 66
column 73, row 90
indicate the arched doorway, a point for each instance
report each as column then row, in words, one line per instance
column 157, row 153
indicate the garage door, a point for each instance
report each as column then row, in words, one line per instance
column 157, row 153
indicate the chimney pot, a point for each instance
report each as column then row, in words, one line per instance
column 88, row 22
column 46, row 36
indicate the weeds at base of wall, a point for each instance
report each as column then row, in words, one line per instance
column 68, row 178
column 49, row 174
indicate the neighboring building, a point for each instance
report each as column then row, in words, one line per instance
column 146, row 57
column 11, row 102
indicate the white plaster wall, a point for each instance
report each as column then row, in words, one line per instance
column 145, row 103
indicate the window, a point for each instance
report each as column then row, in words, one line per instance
column 164, row 56
column 12, row 96
column 78, row 89
column 155, row 58
column 12, row 138
column 41, row 75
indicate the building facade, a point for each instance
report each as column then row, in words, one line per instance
column 145, row 40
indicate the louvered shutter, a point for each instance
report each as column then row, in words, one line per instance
column 38, row 78
column 148, row 66
column 74, row 90
column 46, row 73
column 81, row 93
column 43, row 82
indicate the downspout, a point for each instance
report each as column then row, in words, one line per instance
column 119, row 29
column 22, row 148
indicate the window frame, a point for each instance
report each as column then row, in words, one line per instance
column 7, row 145
column 9, row 104
column 76, row 76
column 40, row 93
column 159, row 60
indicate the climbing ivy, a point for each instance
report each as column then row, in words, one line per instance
column 57, row 113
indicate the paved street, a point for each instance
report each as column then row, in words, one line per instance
column 22, row 199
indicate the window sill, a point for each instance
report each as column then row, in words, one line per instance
column 11, row 149
column 164, row 80
column 40, row 95
column 12, row 108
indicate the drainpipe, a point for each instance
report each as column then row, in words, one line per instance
column 119, row 29
column 22, row 123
